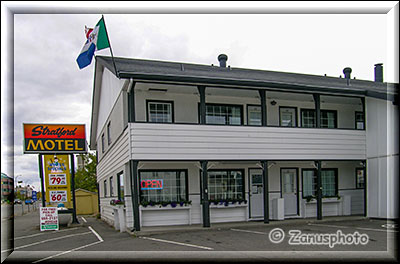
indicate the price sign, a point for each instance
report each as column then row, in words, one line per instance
column 57, row 179
column 48, row 218
column 58, row 196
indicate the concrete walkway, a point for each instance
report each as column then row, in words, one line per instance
column 152, row 230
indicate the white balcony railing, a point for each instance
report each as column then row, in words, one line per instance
column 150, row 141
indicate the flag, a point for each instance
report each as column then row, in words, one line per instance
column 96, row 39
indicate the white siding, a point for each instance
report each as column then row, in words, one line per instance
column 195, row 142
column 110, row 88
column 117, row 156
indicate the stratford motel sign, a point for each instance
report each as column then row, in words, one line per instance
column 54, row 138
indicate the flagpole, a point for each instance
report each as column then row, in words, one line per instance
column 112, row 56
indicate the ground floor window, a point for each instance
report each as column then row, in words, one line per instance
column 163, row 186
column 120, row 179
column 329, row 181
column 360, row 178
column 226, row 184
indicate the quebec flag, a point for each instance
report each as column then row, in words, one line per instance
column 96, row 39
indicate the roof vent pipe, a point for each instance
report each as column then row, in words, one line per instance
column 379, row 72
column 347, row 73
column 222, row 58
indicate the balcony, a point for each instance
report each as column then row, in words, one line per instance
column 153, row 141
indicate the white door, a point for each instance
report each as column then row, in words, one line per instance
column 289, row 191
column 256, row 193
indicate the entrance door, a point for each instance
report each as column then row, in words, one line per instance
column 256, row 192
column 289, row 191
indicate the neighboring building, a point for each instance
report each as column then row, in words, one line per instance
column 24, row 191
column 86, row 202
column 241, row 144
column 7, row 186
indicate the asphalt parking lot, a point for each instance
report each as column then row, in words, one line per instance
column 342, row 238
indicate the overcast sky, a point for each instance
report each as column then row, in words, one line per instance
column 49, row 87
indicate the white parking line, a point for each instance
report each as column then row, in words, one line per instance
column 248, row 231
column 44, row 241
column 57, row 231
column 69, row 251
column 75, row 249
column 177, row 243
column 84, row 220
column 96, row 234
column 359, row 228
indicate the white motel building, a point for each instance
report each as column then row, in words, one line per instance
column 185, row 144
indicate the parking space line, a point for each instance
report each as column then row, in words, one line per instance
column 44, row 241
column 96, row 234
column 177, row 243
column 57, row 231
column 360, row 228
column 84, row 220
column 69, row 251
column 249, row 231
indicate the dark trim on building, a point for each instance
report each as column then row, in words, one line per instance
column 133, row 166
column 263, row 97
column 202, row 105
column 317, row 102
column 131, row 104
column 265, row 190
column 204, row 191
column 319, row 191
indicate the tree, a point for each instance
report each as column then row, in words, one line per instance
column 85, row 178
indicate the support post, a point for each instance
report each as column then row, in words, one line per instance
column 319, row 190
column 133, row 164
column 74, row 218
column 202, row 110
column 265, row 191
column 42, row 180
column 364, row 115
column 204, row 190
column 263, row 97
column 365, row 188
column 131, row 102
column 317, row 102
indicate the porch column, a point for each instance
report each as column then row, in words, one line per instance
column 365, row 186
column 202, row 109
column 319, row 190
column 317, row 102
column 364, row 117
column 133, row 165
column 265, row 191
column 263, row 107
column 204, row 191
column 131, row 102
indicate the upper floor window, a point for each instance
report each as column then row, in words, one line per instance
column 288, row 116
column 160, row 111
column 109, row 133
column 254, row 115
column 359, row 120
column 328, row 118
column 102, row 143
column 224, row 114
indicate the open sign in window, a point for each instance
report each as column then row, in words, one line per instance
column 153, row 184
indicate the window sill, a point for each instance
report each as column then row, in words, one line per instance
column 324, row 200
column 169, row 207
column 227, row 206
